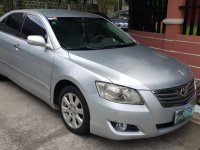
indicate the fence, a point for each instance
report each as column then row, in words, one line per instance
column 147, row 15
column 191, row 25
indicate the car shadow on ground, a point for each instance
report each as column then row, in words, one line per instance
column 19, row 89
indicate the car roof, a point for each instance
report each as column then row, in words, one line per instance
column 58, row 13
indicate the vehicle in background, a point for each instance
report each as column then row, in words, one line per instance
column 120, row 19
column 121, row 23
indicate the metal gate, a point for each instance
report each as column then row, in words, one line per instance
column 147, row 15
column 191, row 25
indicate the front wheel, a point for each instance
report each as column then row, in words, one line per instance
column 74, row 110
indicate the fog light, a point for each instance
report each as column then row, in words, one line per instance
column 121, row 126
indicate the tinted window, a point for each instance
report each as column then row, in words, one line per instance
column 88, row 33
column 14, row 23
column 33, row 26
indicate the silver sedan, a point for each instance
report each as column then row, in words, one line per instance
column 100, row 79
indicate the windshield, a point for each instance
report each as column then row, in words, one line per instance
column 88, row 33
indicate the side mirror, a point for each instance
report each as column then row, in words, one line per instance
column 36, row 40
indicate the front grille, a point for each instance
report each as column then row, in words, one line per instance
column 177, row 96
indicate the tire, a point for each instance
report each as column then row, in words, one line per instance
column 74, row 110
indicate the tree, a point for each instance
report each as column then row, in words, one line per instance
column 104, row 5
column 7, row 5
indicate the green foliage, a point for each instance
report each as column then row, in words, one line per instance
column 194, row 30
column 1, row 13
column 21, row 4
column 7, row 5
column 1, row 9
column 110, row 4
column 128, row 1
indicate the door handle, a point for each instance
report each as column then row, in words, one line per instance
column 17, row 47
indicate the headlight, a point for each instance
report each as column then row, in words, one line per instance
column 118, row 93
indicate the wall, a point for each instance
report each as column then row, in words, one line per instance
column 184, row 48
column 53, row 4
column 173, row 43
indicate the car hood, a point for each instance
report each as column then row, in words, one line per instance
column 138, row 67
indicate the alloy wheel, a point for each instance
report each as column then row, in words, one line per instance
column 72, row 110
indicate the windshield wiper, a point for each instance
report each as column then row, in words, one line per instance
column 103, row 47
column 83, row 48
column 124, row 45
column 118, row 45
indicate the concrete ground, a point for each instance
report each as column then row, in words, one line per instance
column 28, row 123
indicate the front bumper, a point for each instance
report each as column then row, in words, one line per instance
column 146, row 117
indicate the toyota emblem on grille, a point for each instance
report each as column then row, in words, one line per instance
column 183, row 91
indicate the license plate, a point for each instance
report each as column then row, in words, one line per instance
column 184, row 114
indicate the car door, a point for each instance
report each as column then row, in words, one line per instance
column 10, row 28
column 34, row 63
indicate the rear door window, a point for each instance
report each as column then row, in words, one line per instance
column 33, row 26
column 14, row 23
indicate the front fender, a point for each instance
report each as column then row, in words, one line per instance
column 84, row 79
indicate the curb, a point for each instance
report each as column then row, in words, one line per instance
column 196, row 115
column 197, row 109
column 196, row 118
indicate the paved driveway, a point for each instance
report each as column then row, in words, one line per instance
column 28, row 123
